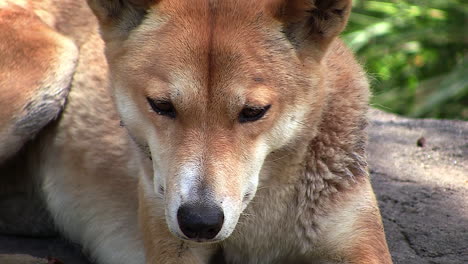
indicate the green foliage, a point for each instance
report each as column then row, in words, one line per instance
column 416, row 53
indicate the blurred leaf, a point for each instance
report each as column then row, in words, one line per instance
column 446, row 88
column 356, row 40
column 415, row 52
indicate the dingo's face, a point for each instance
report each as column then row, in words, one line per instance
column 208, row 91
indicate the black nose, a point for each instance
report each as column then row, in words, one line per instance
column 199, row 221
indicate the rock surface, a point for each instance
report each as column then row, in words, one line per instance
column 21, row 259
column 422, row 191
column 419, row 172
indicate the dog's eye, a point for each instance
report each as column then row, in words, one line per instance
column 162, row 107
column 252, row 113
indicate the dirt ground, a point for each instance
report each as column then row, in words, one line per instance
column 422, row 191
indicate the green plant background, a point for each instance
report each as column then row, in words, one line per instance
column 416, row 55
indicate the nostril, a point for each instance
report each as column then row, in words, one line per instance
column 200, row 221
column 212, row 232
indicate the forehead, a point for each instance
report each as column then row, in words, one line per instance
column 203, row 46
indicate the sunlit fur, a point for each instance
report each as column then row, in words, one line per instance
column 36, row 68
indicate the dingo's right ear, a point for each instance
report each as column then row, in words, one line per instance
column 311, row 25
column 118, row 17
column 36, row 69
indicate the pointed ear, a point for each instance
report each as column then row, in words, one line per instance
column 311, row 25
column 118, row 17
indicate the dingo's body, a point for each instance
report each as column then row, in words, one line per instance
column 238, row 128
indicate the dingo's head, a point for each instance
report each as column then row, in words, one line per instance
column 209, row 88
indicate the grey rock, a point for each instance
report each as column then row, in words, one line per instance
column 422, row 191
column 40, row 247
column 21, row 259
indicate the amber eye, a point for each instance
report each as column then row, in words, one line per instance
column 162, row 107
column 252, row 113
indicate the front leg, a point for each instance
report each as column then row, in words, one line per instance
column 369, row 244
column 356, row 232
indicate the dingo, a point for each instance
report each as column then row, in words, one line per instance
column 242, row 128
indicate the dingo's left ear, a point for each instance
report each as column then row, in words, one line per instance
column 118, row 17
column 36, row 69
column 311, row 25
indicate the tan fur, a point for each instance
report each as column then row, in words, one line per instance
column 36, row 68
column 293, row 185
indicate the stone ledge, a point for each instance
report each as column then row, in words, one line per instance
column 21, row 259
column 422, row 191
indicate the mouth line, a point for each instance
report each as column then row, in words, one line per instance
column 199, row 241
column 247, row 197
